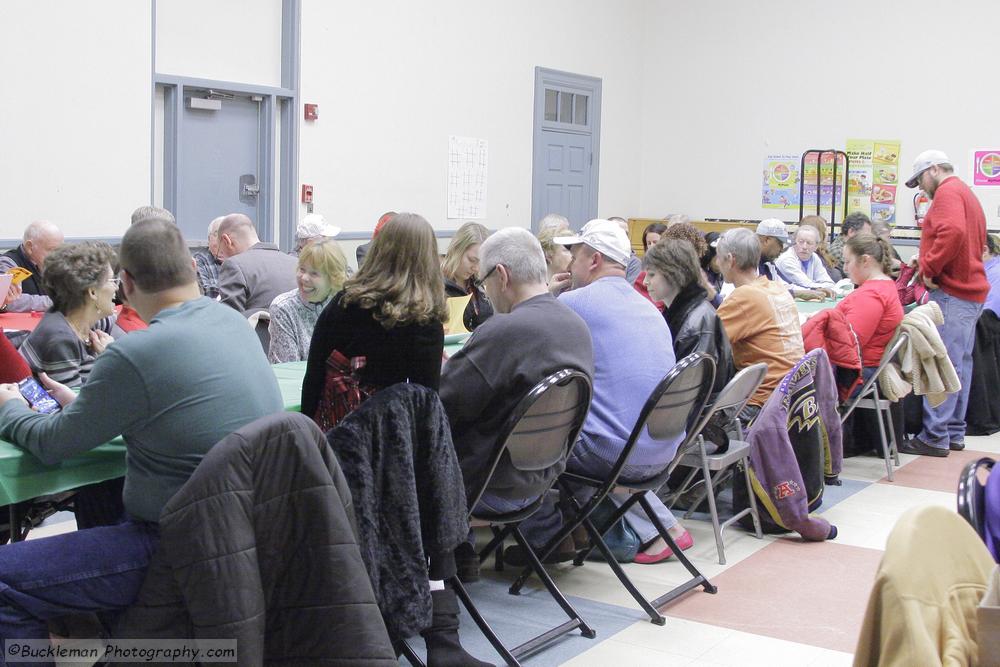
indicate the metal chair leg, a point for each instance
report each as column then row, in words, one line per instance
column 884, row 441
column 698, row 579
column 484, row 627
column 713, row 511
column 892, row 434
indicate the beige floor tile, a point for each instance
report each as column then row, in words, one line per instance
column 828, row 658
column 613, row 652
column 679, row 636
column 983, row 443
column 742, row 649
column 870, row 468
column 866, row 518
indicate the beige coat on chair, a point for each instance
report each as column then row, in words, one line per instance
column 922, row 609
column 923, row 365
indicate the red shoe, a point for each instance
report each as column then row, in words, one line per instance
column 684, row 542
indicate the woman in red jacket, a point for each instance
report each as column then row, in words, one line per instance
column 869, row 314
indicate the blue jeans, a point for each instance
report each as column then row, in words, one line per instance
column 93, row 570
column 543, row 525
column 946, row 423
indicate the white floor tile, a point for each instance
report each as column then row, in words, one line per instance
column 678, row 636
column 613, row 652
column 746, row 650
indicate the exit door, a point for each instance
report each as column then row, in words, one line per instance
column 219, row 160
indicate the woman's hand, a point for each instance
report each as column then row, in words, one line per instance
column 560, row 282
column 99, row 341
column 57, row 390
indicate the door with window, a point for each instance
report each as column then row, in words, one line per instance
column 566, row 138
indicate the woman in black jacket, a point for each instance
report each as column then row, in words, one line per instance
column 460, row 268
column 674, row 276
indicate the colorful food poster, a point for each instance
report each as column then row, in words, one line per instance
column 859, row 175
column 873, row 178
column 780, row 187
column 986, row 168
column 823, row 169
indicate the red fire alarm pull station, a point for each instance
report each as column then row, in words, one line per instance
column 312, row 111
column 307, row 194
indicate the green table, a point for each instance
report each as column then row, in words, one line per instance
column 454, row 342
column 23, row 477
column 813, row 307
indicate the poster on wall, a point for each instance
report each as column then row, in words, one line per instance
column 986, row 168
column 873, row 178
column 822, row 169
column 780, row 188
column 467, row 161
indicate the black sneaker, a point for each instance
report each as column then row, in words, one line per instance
column 956, row 446
column 917, row 446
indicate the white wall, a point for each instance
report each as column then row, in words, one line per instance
column 226, row 40
column 74, row 114
column 394, row 79
column 727, row 82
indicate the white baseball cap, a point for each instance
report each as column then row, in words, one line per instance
column 925, row 161
column 314, row 225
column 773, row 227
column 604, row 236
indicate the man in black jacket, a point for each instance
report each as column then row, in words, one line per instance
column 40, row 238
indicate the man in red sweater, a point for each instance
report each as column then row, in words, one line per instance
column 951, row 266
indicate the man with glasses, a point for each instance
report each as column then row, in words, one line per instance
column 800, row 266
column 483, row 383
column 950, row 263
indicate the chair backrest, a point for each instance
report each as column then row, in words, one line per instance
column 260, row 322
column 869, row 386
column 674, row 407
column 734, row 396
column 971, row 493
column 542, row 429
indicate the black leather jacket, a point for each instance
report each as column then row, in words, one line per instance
column 695, row 327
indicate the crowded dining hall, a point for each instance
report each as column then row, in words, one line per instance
column 465, row 334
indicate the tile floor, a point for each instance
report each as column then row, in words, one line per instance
column 780, row 600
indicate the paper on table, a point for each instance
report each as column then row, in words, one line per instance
column 456, row 313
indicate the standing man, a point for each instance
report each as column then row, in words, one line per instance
column 40, row 238
column 951, row 266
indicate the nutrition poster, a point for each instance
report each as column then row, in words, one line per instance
column 780, row 187
column 986, row 168
column 873, row 178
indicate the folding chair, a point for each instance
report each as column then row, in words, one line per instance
column 539, row 435
column 731, row 400
column 869, row 398
column 260, row 322
column 971, row 493
column 673, row 407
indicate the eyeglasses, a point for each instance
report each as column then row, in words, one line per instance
column 115, row 281
column 479, row 283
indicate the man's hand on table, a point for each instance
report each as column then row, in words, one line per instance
column 810, row 295
column 828, row 292
column 13, row 293
column 10, row 392
column 57, row 390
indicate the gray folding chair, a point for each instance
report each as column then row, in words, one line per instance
column 730, row 400
column 869, row 398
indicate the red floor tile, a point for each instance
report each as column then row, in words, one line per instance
column 809, row 592
column 934, row 474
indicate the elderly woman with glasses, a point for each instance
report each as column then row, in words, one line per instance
column 79, row 279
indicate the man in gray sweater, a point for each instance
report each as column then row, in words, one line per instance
column 172, row 391
column 531, row 336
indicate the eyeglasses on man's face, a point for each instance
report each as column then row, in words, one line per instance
column 479, row 283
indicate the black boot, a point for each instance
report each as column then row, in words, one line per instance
column 443, row 646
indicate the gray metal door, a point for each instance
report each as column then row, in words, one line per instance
column 566, row 142
column 219, row 160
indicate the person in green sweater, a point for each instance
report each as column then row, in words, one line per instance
column 172, row 391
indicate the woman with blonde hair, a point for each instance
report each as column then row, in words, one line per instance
column 386, row 326
column 460, row 268
column 557, row 257
column 321, row 273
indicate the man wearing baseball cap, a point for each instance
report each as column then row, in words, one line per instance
column 951, row 266
column 311, row 228
column 773, row 235
column 632, row 352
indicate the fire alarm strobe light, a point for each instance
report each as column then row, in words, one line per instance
column 312, row 111
column 307, row 194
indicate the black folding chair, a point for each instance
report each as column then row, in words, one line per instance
column 870, row 398
column 538, row 436
column 676, row 405
column 972, row 493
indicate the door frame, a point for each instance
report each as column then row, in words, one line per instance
column 175, row 89
column 577, row 83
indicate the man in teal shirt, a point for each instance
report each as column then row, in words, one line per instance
column 172, row 391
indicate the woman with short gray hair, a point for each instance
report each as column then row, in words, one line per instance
column 65, row 344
